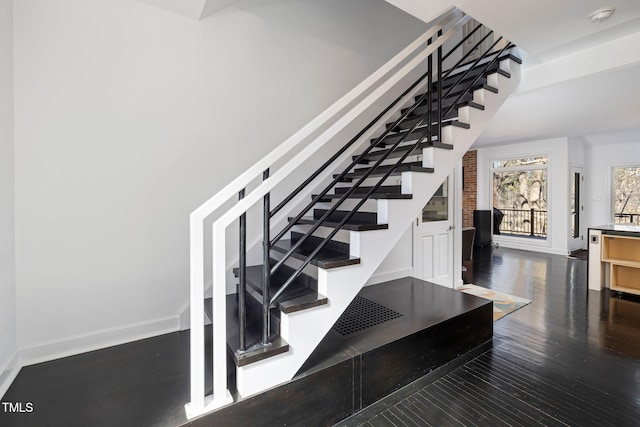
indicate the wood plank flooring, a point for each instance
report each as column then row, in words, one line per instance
column 571, row 357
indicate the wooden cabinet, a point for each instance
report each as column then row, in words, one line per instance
column 622, row 253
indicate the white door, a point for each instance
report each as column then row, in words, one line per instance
column 434, row 238
column 577, row 228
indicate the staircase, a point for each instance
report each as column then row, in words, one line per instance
column 323, row 241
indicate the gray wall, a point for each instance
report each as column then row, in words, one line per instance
column 128, row 117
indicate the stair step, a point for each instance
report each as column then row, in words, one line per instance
column 300, row 295
column 401, row 150
column 418, row 112
column 384, row 192
column 469, row 78
column 417, row 133
column 350, row 225
column 381, row 170
column 475, row 72
column 360, row 221
column 333, row 255
column 464, row 93
column 411, row 119
column 255, row 351
column 446, row 103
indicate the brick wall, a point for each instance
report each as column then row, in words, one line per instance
column 470, row 189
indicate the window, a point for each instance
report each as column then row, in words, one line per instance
column 437, row 208
column 626, row 195
column 520, row 196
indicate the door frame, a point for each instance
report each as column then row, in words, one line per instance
column 455, row 198
column 580, row 242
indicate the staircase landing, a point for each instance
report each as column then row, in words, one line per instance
column 423, row 327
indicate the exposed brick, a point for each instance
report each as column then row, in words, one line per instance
column 470, row 188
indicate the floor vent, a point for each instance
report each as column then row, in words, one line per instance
column 362, row 314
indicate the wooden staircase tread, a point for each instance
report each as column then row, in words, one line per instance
column 254, row 277
column 417, row 133
column 305, row 301
column 381, row 170
column 401, row 150
column 363, row 189
column 326, row 258
column 277, row 345
column 473, row 74
column 467, row 102
column 418, row 112
column 376, row 196
column 349, row 225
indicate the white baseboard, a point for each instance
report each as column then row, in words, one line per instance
column 525, row 246
column 389, row 275
column 9, row 369
column 106, row 338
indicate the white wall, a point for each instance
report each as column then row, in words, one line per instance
column 558, row 190
column 127, row 117
column 7, row 261
column 399, row 262
column 601, row 155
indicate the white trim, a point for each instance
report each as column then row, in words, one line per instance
column 531, row 248
column 390, row 275
column 78, row 344
column 9, row 370
column 612, row 188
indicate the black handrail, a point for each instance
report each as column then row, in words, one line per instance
column 364, row 198
column 337, row 179
column 422, row 127
column 343, row 198
column 333, row 158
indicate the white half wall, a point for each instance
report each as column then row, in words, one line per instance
column 558, row 190
column 7, row 243
column 127, row 118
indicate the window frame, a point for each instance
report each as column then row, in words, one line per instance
column 612, row 204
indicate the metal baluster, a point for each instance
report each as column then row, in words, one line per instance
column 532, row 219
column 266, row 264
column 429, row 97
column 242, row 277
column 440, row 90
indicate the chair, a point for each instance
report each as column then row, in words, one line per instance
column 468, row 237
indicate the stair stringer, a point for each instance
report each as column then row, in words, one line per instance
column 305, row 329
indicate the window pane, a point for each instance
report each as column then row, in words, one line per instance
column 437, row 209
column 542, row 160
column 521, row 198
column 626, row 197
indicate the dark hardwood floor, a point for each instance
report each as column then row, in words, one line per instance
column 571, row 357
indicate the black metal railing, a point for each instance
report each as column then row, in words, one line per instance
column 428, row 124
column 524, row 222
column 627, row 218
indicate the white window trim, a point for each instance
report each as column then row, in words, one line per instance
column 546, row 242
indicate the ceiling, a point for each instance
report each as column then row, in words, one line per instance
column 585, row 75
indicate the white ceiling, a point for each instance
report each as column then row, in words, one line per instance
column 559, row 41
